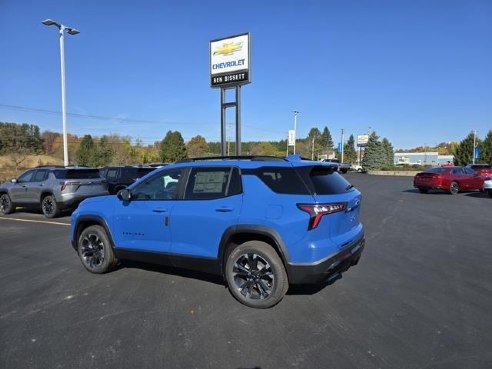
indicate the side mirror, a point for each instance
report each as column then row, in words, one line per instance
column 13, row 180
column 124, row 195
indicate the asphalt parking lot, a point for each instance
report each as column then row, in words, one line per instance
column 421, row 297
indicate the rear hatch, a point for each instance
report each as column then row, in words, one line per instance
column 337, row 204
column 82, row 181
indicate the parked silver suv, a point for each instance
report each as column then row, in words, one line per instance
column 53, row 189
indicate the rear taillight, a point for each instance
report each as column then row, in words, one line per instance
column 317, row 211
column 66, row 184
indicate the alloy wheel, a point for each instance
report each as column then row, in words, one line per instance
column 253, row 276
column 92, row 251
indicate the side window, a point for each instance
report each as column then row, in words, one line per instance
column 112, row 173
column 40, row 175
column 469, row 171
column 282, row 180
column 458, row 171
column 26, row 177
column 213, row 183
column 162, row 186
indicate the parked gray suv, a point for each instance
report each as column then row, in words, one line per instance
column 53, row 189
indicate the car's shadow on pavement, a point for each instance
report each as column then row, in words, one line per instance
column 217, row 279
column 186, row 273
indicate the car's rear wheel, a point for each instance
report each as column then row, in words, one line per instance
column 50, row 207
column 454, row 188
column 95, row 250
column 490, row 193
column 6, row 206
column 423, row 190
column 255, row 275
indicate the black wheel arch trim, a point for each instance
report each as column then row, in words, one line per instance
column 251, row 229
column 94, row 219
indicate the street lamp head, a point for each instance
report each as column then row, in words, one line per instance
column 72, row 31
column 50, row 22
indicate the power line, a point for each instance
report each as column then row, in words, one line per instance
column 127, row 120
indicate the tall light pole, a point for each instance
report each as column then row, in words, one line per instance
column 341, row 159
column 70, row 31
column 474, row 145
column 295, row 128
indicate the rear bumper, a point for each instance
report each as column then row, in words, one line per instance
column 73, row 200
column 321, row 271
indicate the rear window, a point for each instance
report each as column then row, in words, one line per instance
column 436, row 170
column 326, row 181
column 77, row 174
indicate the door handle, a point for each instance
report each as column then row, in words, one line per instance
column 224, row 209
column 159, row 210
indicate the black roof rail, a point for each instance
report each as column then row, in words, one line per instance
column 239, row 157
column 50, row 166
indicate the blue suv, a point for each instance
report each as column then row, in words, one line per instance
column 263, row 223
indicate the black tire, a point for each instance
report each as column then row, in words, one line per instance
column 49, row 207
column 95, row 250
column 6, row 205
column 490, row 193
column 423, row 190
column 454, row 188
column 255, row 275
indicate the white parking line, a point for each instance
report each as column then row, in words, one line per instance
column 35, row 221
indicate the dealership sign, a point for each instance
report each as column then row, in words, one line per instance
column 362, row 140
column 230, row 61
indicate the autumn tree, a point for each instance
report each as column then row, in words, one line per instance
column 196, row 147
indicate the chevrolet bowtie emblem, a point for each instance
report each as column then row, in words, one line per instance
column 228, row 48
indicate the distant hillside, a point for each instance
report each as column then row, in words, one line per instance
column 8, row 170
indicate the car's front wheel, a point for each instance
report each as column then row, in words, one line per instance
column 423, row 190
column 6, row 206
column 454, row 188
column 95, row 250
column 255, row 275
column 50, row 207
column 490, row 193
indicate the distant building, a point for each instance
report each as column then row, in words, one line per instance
column 422, row 158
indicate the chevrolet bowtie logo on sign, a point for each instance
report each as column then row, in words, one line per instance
column 229, row 61
column 228, row 48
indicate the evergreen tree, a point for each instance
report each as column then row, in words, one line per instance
column 349, row 153
column 486, row 149
column 464, row 152
column 389, row 153
column 173, row 147
column 85, row 153
column 326, row 139
column 375, row 155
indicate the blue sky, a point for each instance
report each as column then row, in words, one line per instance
column 417, row 72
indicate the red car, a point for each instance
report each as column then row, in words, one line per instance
column 450, row 179
column 484, row 170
